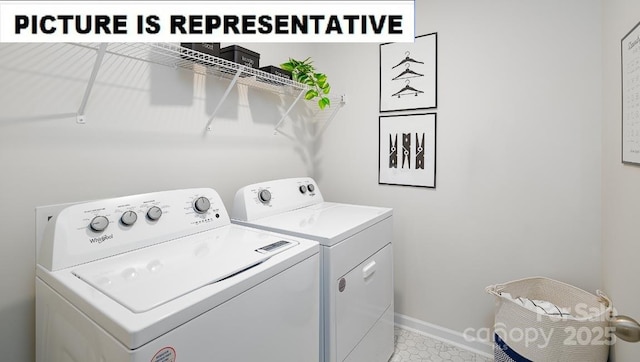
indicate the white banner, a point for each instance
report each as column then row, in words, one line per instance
column 207, row 21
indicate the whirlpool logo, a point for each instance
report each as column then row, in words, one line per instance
column 101, row 239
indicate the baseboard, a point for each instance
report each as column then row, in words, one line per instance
column 443, row 334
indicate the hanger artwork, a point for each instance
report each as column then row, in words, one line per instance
column 407, row 60
column 408, row 74
column 407, row 90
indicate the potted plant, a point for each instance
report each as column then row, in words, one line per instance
column 304, row 72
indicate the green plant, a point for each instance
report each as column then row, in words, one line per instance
column 304, row 72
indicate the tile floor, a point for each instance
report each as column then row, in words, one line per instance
column 411, row 346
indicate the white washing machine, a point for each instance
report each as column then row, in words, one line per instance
column 165, row 277
column 356, row 262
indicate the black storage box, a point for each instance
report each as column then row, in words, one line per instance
column 206, row 48
column 240, row 55
column 278, row 72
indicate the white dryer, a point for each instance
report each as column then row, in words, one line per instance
column 356, row 262
column 164, row 277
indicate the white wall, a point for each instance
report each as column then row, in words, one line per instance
column 518, row 154
column 144, row 133
column 620, row 183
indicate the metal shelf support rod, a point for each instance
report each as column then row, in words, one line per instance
column 92, row 79
column 224, row 96
column 275, row 130
column 333, row 114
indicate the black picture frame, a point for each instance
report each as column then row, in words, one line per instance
column 409, row 74
column 630, row 81
column 407, row 149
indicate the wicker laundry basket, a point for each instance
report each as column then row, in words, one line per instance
column 540, row 319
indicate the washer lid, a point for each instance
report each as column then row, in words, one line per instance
column 146, row 278
column 326, row 222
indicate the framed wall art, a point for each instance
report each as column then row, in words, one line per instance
column 631, row 96
column 407, row 150
column 408, row 74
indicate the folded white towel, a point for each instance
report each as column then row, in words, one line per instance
column 540, row 306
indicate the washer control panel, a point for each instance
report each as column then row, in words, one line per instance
column 274, row 197
column 98, row 229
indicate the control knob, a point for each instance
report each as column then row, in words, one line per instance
column 303, row 189
column 311, row 188
column 264, row 196
column 201, row 205
column 129, row 218
column 99, row 223
column 154, row 213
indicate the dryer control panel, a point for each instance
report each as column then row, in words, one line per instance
column 97, row 229
column 274, row 197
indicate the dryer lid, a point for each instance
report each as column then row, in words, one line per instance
column 149, row 277
column 326, row 222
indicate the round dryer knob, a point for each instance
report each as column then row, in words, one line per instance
column 129, row 218
column 303, row 189
column 264, row 196
column 201, row 205
column 99, row 223
column 310, row 187
column 154, row 213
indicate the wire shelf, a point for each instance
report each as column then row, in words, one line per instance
column 175, row 56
